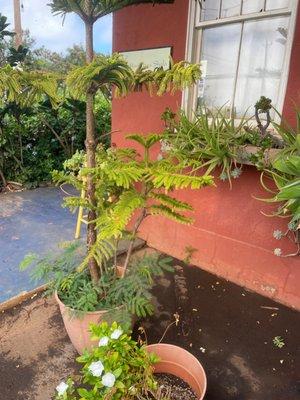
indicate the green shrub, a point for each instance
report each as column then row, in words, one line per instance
column 38, row 140
column 117, row 369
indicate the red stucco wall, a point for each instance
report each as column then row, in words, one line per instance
column 293, row 86
column 233, row 239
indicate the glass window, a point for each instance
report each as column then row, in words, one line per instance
column 244, row 59
column 220, row 56
column 252, row 6
column 261, row 62
column 276, row 4
column 230, row 8
column 210, row 10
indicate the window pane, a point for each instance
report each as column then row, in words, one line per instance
column 210, row 10
column 252, row 6
column 220, row 54
column 230, row 8
column 261, row 62
column 275, row 4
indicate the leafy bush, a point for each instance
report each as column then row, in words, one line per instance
column 117, row 369
column 124, row 297
column 126, row 184
column 37, row 140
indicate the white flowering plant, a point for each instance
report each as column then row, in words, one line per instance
column 117, row 369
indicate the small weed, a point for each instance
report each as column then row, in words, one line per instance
column 188, row 254
column 278, row 342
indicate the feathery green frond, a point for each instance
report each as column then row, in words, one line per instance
column 146, row 141
column 169, row 213
column 169, row 180
column 104, row 73
column 92, row 10
column 25, row 88
column 122, row 174
column 10, row 85
column 171, row 202
column 37, row 85
column 180, row 76
column 114, row 222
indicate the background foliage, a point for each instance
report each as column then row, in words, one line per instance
column 36, row 139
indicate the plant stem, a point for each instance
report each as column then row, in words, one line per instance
column 64, row 146
column 3, row 178
column 137, row 224
column 90, row 145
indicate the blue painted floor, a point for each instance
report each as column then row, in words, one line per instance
column 30, row 221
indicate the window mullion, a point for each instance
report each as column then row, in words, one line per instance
column 237, row 72
column 241, row 7
column 220, row 8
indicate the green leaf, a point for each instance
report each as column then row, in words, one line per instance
column 169, row 213
column 27, row 261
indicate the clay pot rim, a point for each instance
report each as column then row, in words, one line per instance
column 99, row 312
column 173, row 346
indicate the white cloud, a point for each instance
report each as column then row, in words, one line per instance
column 49, row 31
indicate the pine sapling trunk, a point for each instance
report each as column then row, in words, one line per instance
column 90, row 145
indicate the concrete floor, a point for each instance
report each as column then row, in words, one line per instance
column 228, row 329
column 30, row 221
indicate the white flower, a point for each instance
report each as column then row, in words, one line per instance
column 165, row 146
column 18, row 66
column 62, row 388
column 116, row 334
column 96, row 368
column 277, row 234
column 103, row 341
column 277, row 252
column 108, row 380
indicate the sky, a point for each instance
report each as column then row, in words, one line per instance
column 49, row 31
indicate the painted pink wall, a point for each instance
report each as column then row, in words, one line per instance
column 293, row 86
column 233, row 239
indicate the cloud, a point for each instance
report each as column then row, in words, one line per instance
column 49, row 31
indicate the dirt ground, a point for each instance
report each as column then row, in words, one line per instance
column 228, row 329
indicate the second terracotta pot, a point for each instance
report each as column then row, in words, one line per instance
column 78, row 327
column 179, row 362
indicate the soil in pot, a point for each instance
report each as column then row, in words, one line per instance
column 174, row 388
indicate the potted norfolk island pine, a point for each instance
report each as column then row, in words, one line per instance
column 119, row 184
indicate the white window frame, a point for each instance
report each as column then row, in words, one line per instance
column 194, row 43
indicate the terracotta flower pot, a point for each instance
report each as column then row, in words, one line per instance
column 78, row 327
column 179, row 362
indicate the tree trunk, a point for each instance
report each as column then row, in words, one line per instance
column 90, row 145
